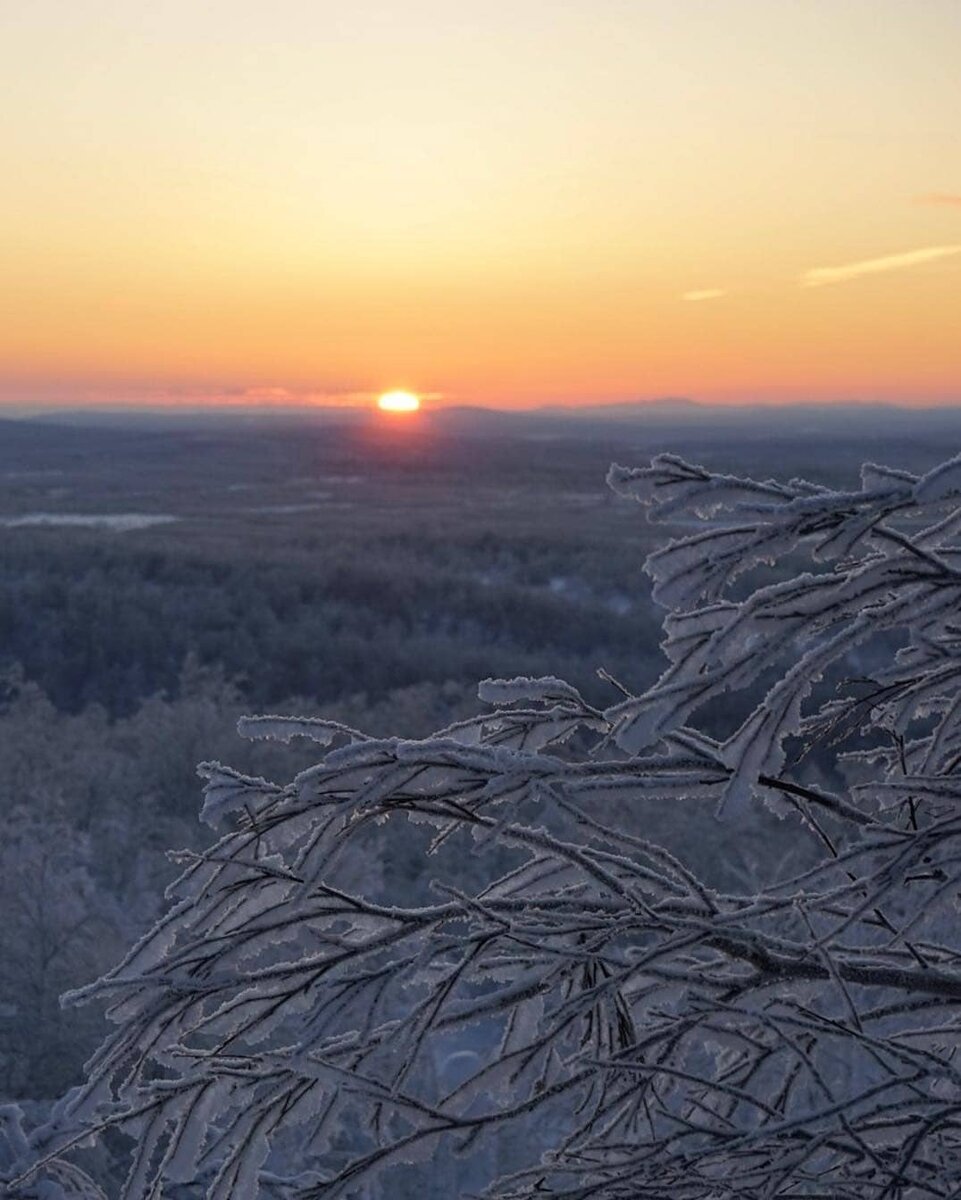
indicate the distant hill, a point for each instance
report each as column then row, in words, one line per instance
column 866, row 420
column 627, row 410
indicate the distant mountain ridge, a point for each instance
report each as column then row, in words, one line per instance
column 480, row 420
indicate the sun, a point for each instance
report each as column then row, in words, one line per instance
column 398, row 402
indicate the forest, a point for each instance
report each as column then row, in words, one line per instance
column 159, row 583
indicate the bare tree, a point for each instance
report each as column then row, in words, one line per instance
column 628, row 1028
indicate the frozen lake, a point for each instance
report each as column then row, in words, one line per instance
column 118, row 522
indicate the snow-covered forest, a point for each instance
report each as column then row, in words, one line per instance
column 683, row 923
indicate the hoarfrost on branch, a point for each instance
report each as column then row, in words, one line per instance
column 647, row 1031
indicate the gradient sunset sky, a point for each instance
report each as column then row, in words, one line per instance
column 506, row 202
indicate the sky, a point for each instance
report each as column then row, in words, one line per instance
column 504, row 202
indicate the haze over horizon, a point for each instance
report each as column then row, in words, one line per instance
column 510, row 204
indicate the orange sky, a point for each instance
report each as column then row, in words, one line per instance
column 512, row 202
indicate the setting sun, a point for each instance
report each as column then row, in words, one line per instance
column 636, row 201
column 398, row 402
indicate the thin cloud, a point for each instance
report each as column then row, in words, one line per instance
column 276, row 396
column 704, row 294
column 945, row 199
column 820, row 276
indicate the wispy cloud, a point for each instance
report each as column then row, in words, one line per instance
column 819, row 276
column 945, row 199
column 704, row 294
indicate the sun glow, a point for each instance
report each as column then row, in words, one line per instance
column 677, row 200
column 398, row 402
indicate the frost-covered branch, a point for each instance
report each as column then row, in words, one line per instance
column 649, row 1027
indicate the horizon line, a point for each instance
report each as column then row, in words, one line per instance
column 21, row 410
